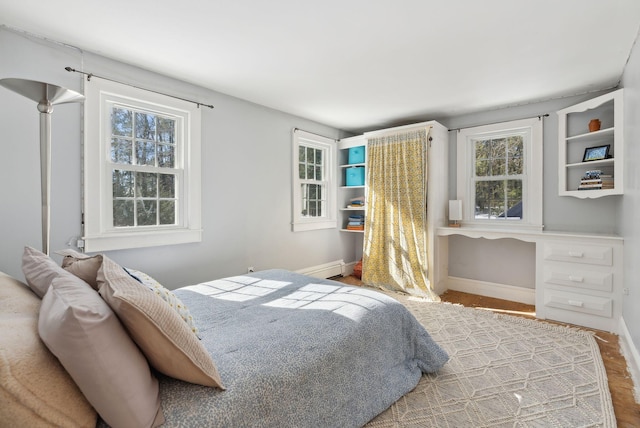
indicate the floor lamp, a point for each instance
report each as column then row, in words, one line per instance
column 46, row 95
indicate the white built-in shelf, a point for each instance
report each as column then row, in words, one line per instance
column 574, row 139
column 345, row 193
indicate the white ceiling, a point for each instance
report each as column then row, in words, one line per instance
column 356, row 64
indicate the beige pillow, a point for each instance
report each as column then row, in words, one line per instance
column 165, row 339
column 39, row 270
column 167, row 295
column 35, row 390
column 86, row 336
column 85, row 268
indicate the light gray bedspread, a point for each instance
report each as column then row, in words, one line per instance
column 296, row 351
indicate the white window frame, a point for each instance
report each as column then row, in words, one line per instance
column 328, row 146
column 99, row 232
column 531, row 129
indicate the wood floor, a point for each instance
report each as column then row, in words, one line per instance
column 620, row 384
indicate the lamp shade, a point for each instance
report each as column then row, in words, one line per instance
column 455, row 210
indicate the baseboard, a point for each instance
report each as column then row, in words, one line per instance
column 630, row 353
column 347, row 268
column 326, row 270
column 492, row 289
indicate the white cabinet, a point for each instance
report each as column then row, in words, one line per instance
column 347, row 193
column 580, row 280
column 590, row 162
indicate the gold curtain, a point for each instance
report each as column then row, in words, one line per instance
column 395, row 247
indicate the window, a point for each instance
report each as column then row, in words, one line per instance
column 141, row 169
column 314, row 195
column 500, row 174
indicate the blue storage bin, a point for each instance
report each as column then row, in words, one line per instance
column 356, row 154
column 355, row 176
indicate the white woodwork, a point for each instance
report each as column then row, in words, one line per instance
column 578, row 276
column 574, row 137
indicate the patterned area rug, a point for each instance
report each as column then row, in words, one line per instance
column 504, row 371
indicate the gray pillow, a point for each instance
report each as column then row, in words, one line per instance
column 39, row 270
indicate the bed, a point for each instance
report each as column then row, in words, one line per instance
column 288, row 350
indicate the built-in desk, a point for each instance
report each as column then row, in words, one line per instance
column 578, row 276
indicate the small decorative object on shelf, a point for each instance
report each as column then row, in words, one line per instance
column 596, row 180
column 356, row 154
column 596, row 153
column 356, row 203
column 455, row 213
column 594, row 125
column 356, row 222
column 355, row 176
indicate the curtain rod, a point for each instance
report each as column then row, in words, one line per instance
column 540, row 117
column 90, row 75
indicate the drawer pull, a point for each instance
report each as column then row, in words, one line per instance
column 576, row 254
column 577, row 303
column 576, row 278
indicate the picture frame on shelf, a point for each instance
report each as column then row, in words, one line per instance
column 596, row 153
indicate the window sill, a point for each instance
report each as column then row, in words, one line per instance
column 119, row 241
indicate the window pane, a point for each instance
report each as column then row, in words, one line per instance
column 145, row 153
column 482, row 168
column 166, row 156
column 121, row 151
column 318, row 174
column 123, row 213
column 146, row 126
column 310, row 171
column 166, row 130
column 498, row 148
column 319, row 156
column 304, row 200
column 498, row 167
column 312, row 209
column 146, row 185
column 514, row 199
column 483, row 149
column 301, row 154
column 302, row 171
column 310, row 157
column 121, row 122
column 167, row 212
column 166, row 186
column 146, row 212
column 515, row 154
column 489, row 199
column 122, row 184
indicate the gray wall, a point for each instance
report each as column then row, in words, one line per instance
column 509, row 261
column 246, row 159
column 630, row 208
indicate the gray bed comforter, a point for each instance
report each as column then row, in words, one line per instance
column 296, row 351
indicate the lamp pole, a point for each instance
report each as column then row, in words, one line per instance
column 46, row 95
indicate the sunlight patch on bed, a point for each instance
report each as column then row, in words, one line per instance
column 349, row 302
column 238, row 288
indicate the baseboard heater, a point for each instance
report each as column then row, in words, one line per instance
column 326, row 270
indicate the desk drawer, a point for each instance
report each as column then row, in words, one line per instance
column 566, row 274
column 577, row 253
column 593, row 305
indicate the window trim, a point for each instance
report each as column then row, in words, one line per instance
column 532, row 176
column 99, row 232
column 329, row 221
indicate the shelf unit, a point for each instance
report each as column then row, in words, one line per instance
column 574, row 137
column 346, row 193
